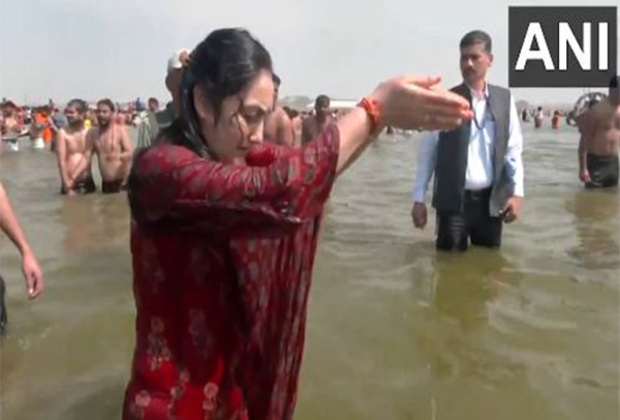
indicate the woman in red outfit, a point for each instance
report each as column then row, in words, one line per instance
column 224, row 232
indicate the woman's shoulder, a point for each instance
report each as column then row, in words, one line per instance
column 160, row 160
column 165, row 153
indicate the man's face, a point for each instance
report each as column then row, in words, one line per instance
column 153, row 106
column 104, row 115
column 475, row 63
column 322, row 110
column 173, row 83
column 73, row 116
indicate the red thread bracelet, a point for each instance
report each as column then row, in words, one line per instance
column 372, row 110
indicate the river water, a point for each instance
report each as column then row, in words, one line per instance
column 395, row 330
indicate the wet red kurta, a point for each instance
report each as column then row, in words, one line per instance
column 222, row 261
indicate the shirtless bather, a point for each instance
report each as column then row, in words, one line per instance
column 600, row 138
column 313, row 126
column 278, row 128
column 113, row 148
column 74, row 152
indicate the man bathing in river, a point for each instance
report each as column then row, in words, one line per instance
column 113, row 147
column 600, row 138
column 72, row 152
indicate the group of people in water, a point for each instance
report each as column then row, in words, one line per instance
column 41, row 124
column 539, row 115
column 104, row 133
column 76, row 145
column 226, row 194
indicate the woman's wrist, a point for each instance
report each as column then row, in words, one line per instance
column 373, row 109
column 359, row 115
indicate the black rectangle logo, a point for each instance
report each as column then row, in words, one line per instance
column 562, row 46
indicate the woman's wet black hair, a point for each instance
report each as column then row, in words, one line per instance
column 223, row 64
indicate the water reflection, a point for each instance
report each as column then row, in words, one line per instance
column 77, row 215
column 396, row 330
column 597, row 225
column 93, row 220
column 465, row 283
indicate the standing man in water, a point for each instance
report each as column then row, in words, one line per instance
column 157, row 121
column 478, row 166
column 278, row 127
column 148, row 129
column 539, row 117
column 314, row 125
column 74, row 153
column 600, row 138
column 113, row 147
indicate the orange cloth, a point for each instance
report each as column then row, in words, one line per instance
column 46, row 133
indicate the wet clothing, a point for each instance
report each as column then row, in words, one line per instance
column 454, row 230
column 112, row 187
column 11, row 143
column 84, row 186
column 603, row 171
column 222, row 263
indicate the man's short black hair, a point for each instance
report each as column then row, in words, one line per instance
column 107, row 102
column 322, row 101
column 477, row 37
column 79, row 105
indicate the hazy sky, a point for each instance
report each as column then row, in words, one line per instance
column 62, row 49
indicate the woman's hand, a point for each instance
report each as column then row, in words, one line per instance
column 417, row 102
column 408, row 102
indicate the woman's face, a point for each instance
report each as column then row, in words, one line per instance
column 241, row 120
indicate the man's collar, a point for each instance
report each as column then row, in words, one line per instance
column 473, row 92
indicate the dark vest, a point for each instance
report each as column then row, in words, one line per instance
column 451, row 164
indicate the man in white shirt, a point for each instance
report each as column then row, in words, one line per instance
column 478, row 166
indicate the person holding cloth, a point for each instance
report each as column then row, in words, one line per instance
column 478, row 166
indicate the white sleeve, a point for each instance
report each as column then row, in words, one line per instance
column 427, row 156
column 514, row 158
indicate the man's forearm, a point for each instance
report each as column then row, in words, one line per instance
column 80, row 167
column 582, row 154
column 10, row 225
column 64, row 174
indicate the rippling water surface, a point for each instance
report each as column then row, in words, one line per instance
column 395, row 330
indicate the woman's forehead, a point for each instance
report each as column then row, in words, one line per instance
column 260, row 90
